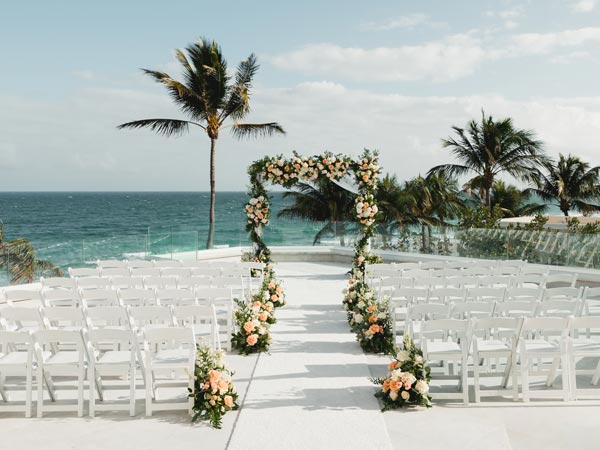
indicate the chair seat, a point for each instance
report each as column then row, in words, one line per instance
column 540, row 346
column 443, row 348
column 492, row 345
column 115, row 357
column 62, row 357
column 13, row 358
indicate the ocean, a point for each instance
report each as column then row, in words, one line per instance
column 75, row 228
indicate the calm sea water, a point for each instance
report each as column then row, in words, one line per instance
column 71, row 228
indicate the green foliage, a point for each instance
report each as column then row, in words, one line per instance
column 480, row 217
column 538, row 223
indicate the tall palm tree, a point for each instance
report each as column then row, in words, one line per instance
column 515, row 202
column 210, row 98
column 489, row 148
column 322, row 201
column 571, row 183
column 18, row 256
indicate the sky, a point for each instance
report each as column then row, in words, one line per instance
column 337, row 75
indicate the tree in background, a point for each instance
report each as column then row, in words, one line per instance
column 210, row 98
column 323, row 201
column 18, row 256
column 490, row 148
column 512, row 201
column 571, row 183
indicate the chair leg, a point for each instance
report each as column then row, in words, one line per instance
column 93, row 387
column 132, row 391
column 465, row 381
column 40, row 391
column 148, row 392
column 525, row 377
column 596, row 376
column 476, row 379
column 80, row 382
column 515, row 380
column 28, row 393
column 3, row 393
column 552, row 374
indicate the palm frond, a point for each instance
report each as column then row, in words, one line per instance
column 242, row 130
column 165, row 127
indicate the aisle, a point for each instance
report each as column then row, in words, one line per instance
column 312, row 392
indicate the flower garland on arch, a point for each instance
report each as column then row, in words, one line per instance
column 287, row 173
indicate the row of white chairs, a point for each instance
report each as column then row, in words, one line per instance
column 182, row 272
column 94, row 357
column 507, row 281
column 146, row 264
column 541, row 346
column 451, row 264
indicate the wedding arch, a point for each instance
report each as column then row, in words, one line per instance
column 289, row 172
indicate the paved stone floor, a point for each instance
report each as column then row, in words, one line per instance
column 312, row 392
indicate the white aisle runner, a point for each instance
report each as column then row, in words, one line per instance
column 312, row 391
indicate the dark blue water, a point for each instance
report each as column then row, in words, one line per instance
column 71, row 228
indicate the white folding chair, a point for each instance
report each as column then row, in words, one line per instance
column 558, row 308
column 81, row 272
column 180, row 297
column 496, row 281
column 136, row 297
column 590, row 297
column 481, row 294
column 222, row 300
column 111, row 264
column 205, row 272
column 23, row 295
column 58, row 283
column 469, row 310
column 99, row 297
column 533, row 280
column 183, row 272
column 127, row 282
column 516, row 308
column 139, row 264
column 234, row 283
column 561, row 293
column 16, row 360
column 171, row 351
column 558, row 280
column 65, row 318
column 60, row 297
column 59, row 353
column 113, row 353
column 421, row 312
column 21, row 318
column 581, row 349
column 202, row 319
column 544, row 338
column 145, row 317
column 531, row 269
column 523, row 294
column 166, row 263
column 193, row 263
column 108, row 317
column 194, row 282
column 406, row 266
column 476, row 271
column 145, row 272
column 495, row 339
column 447, row 341
column 84, row 284
column 435, row 265
column 115, row 272
column 447, row 295
column 160, row 282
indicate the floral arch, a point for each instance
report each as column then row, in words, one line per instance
column 367, row 315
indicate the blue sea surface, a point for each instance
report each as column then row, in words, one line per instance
column 72, row 228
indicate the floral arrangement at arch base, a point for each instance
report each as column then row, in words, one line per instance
column 214, row 393
column 407, row 381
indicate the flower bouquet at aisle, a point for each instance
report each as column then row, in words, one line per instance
column 214, row 393
column 407, row 381
column 252, row 320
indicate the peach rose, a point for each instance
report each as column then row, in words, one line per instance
column 386, row 386
column 252, row 339
column 256, row 304
column 263, row 316
column 395, row 386
column 374, row 329
column 249, row 327
column 373, row 319
column 223, row 386
column 393, row 365
column 228, row 400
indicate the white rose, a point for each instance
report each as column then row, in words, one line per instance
column 405, row 395
column 358, row 318
column 361, row 304
column 403, row 356
column 253, row 201
column 381, row 315
column 393, row 395
column 419, row 359
column 422, row 387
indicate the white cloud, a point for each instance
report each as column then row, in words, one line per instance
column 407, row 22
column 509, row 17
column 85, row 74
column 543, row 43
column 584, row 5
column 449, row 59
column 53, row 154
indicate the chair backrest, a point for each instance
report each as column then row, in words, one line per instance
column 429, row 281
column 213, row 295
column 435, row 265
column 145, row 272
column 591, row 293
column 464, row 264
column 444, row 328
column 99, row 297
column 235, row 272
column 175, row 272
column 384, row 272
column 523, row 294
column 447, row 273
column 468, row 310
column 558, row 308
column 23, row 295
column 447, row 295
column 193, row 282
column 407, row 266
column 160, row 282
column 139, row 264
column 427, row 311
column 115, row 272
column 188, row 315
column 511, row 263
column 126, row 282
column 561, row 280
column 78, row 272
column 14, row 341
column 151, row 315
column 516, row 308
column 561, row 293
column 530, row 269
column 175, row 297
column 111, row 264
column 530, row 280
column 171, row 337
column 70, row 340
column 546, row 324
column 58, row 283
column 489, row 281
column 110, row 339
column 476, row 271
column 415, row 273
column 253, row 265
column 60, row 297
column 495, row 324
column 486, row 294
column 21, row 317
column 506, row 270
column 205, row 272
column 462, row 281
column 588, row 323
column 227, row 282
column 136, row 297
column 193, row 263
column 65, row 317
column 166, row 263
column 107, row 317
column 93, row 283
column 412, row 295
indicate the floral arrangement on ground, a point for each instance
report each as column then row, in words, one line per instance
column 407, row 381
column 214, row 393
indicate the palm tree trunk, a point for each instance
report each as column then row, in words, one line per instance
column 211, row 214
column 488, row 198
column 423, row 238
